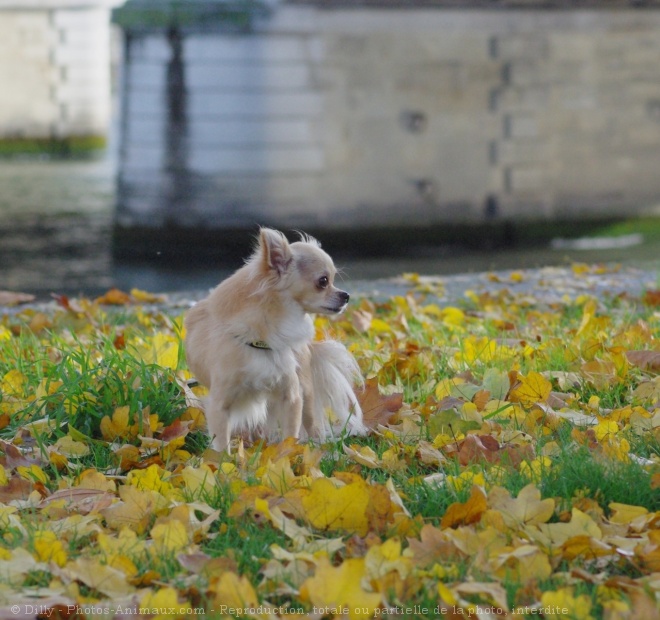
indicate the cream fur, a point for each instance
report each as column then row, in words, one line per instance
column 295, row 382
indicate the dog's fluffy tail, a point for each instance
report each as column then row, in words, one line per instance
column 334, row 373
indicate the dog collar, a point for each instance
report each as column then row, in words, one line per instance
column 259, row 344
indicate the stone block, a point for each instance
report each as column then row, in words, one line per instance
column 524, row 179
column 520, row 125
column 257, row 48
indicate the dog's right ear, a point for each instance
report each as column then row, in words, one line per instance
column 275, row 250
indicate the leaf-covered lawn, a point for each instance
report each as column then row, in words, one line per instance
column 513, row 469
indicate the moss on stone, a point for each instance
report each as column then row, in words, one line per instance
column 71, row 146
column 149, row 15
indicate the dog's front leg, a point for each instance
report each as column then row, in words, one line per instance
column 285, row 407
column 217, row 422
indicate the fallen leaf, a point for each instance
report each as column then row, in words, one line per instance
column 376, row 407
column 9, row 298
column 646, row 360
column 526, row 509
column 340, row 588
column 114, row 297
column 99, row 577
column 468, row 512
column 533, row 388
column 332, row 508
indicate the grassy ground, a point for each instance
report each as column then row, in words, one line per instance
column 514, row 467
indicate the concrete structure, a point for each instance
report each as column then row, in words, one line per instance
column 54, row 71
column 336, row 115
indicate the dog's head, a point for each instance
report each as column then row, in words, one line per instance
column 302, row 269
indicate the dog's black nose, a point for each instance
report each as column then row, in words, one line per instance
column 344, row 296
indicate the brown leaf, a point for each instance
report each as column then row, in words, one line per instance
column 72, row 305
column 81, row 500
column 468, row 512
column 476, row 448
column 15, row 458
column 175, row 430
column 376, row 407
column 432, row 546
column 646, row 360
column 17, row 488
column 652, row 297
column 361, row 320
column 480, row 399
column 9, row 298
column 601, row 374
column 114, row 297
column 201, row 563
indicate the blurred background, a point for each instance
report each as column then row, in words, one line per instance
column 143, row 142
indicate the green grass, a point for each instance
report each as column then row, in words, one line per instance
column 77, row 370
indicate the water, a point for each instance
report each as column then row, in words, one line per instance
column 56, row 236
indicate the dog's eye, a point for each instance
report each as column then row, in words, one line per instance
column 323, row 282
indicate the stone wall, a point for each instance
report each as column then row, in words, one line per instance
column 383, row 116
column 55, row 69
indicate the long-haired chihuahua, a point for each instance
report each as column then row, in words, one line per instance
column 251, row 343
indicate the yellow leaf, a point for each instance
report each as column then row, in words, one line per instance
column 279, row 475
column 162, row 349
column 101, row 577
column 125, row 543
column 494, row 593
column 145, row 297
column 385, row 558
column 124, row 564
column 48, row 548
column 534, row 388
column 118, row 426
column 340, row 588
column 162, row 604
column 332, row 508
column 468, row 512
column 200, row 480
column 169, row 537
column 527, row 508
column 32, row 473
column 624, row 513
column 444, row 387
column 588, row 313
column 581, row 524
column 446, row 595
column 380, row 327
column 533, row 470
column 465, row 478
column 153, row 478
column 298, row 534
column 453, row 316
column 94, row 479
column 71, row 448
column 579, row 607
column 363, row 455
column 585, row 546
column 605, row 429
column 136, row 510
column 523, row 564
column 235, row 592
column 13, row 383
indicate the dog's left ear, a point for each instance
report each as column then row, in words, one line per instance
column 275, row 250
